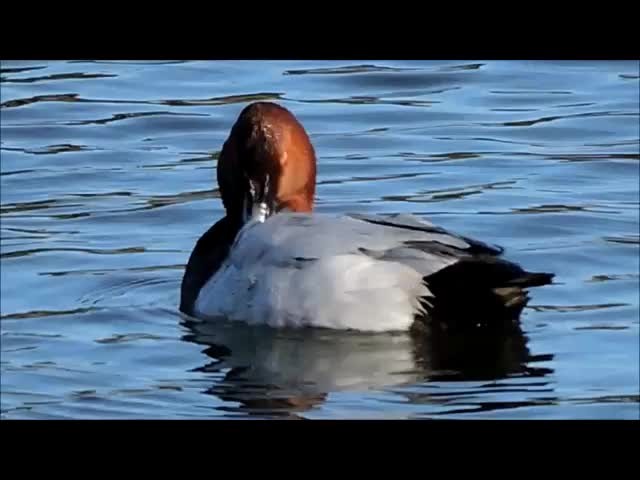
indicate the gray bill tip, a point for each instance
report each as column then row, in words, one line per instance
column 259, row 212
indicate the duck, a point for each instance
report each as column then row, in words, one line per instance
column 273, row 260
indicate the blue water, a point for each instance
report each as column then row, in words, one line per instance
column 108, row 178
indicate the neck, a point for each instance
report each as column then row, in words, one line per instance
column 298, row 203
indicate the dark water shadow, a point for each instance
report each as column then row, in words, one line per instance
column 285, row 373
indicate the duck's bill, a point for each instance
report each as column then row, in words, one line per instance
column 256, row 207
column 256, row 211
column 259, row 212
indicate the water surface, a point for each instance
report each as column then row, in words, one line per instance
column 108, row 178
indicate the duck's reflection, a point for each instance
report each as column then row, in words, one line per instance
column 280, row 373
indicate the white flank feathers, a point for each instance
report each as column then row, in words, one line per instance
column 317, row 270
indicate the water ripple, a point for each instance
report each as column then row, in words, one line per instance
column 575, row 308
column 126, row 116
column 74, row 97
column 45, row 313
column 108, row 178
column 61, row 76
column 20, row 69
column 346, row 70
column 93, row 251
column 529, row 123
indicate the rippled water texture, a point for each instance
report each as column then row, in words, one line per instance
column 107, row 180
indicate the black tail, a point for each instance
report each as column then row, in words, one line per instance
column 482, row 292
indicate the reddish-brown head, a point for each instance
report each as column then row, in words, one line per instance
column 267, row 160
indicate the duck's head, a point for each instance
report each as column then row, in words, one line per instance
column 267, row 164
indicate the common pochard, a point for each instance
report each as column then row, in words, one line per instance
column 273, row 260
